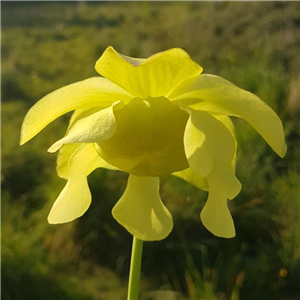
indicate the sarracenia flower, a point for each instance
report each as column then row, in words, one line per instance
column 151, row 117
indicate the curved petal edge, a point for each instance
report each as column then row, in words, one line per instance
column 141, row 211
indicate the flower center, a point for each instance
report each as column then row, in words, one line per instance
column 149, row 138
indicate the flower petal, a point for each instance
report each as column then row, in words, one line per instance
column 96, row 127
column 156, row 76
column 193, row 178
column 215, row 94
column 206, row 140
column 63, row 157
column 86, row 94
column 215, row 215
column 75, row 198
column 230, row 126
column 141, row 211
column 65, row 152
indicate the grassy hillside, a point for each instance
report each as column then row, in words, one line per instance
column 46, row 45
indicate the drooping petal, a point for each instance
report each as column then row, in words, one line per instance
column 206, row 140
column 224, row 177
column 193, row 178
column 75, row 198
column 63, row 157
column 215, row 94
column 96, row 127
column 156, row 76
column 65, row 152
column 215, row 215
column 201, row 182
column 230, row 126
column 141, row 211
column 86, row 94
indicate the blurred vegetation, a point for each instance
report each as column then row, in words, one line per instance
column 48, row 45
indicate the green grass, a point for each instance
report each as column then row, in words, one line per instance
column 47, row 45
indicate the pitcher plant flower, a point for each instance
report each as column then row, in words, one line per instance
column 151, row 117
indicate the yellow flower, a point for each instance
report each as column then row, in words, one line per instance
column 151, row 117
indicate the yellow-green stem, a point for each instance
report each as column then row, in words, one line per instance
column 135, row 269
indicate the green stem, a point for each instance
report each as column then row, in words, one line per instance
column 135, row 269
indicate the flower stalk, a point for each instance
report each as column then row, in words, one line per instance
column 135, row 269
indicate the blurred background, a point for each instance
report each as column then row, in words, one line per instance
column 47, row 45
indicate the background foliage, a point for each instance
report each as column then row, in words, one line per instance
column 48, row 45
